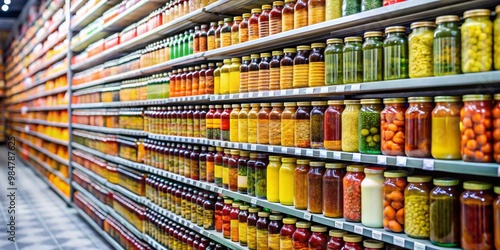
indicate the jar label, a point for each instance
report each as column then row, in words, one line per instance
column 253, row 32
column 218, row 171
column 286, row 77
column 286, row 243
column 263, row 28
column 242, row 181
column 316, row 74
column 235, row 37
column 234, row 230
column 275, row 26
column 211, row 43
column 225, row 39
column 300, row 75
column 243, row 35
column 203, row 44
column 300, row 18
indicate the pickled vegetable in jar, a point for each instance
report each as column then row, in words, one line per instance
column 393, row 126
column 300, row 184
column 496, row 214
column 286, row 68
column 243, row 225
column 352, row 242
column 264, row 21
column 244, row 74
column 350, row 120
column 288, row 15
column 444, row 213
column 352, row 192
column 352, row 57
column 420, row 47
column 317, row 64
column 334, row 61
column 447, row 46
column 416, row 207
column 336, row 241
column 372, row 196
column 477, row 41
column 301, row 67
column 300, row 14
column 253, row 73
column 496, row 45
column 445, row 138
column 252, row 122
column 275, row 18
column 264, row 72
column 218, row 166
column 300, row 237
column 274, row 70
column 317, row 124
column 261, row 176
column 394, row 188
column 234, row 223
column 235, row 30
column 302, row 125
column 275, row 123
column 233, row 124
column 476, row 128
column 273, row 180
column 350, row 7
column 476, row 216
column 373, row 56
column 251, row 174
column 243, row 123
column 316, row 11
column 234, row 75
column 233, row 170
column 496, row 129
column 263, row 123
column 244, row 35
column 288, row 124
column 242, row 172
column 262, row 230
column 252, row 227
column 333, row 190
column 395, row 53
column 225, row 123
column 315, row 187
column 286, row 233
column 370, row 4
column 226, row 219
column 333, row 125
column 286, row 181
column 253, row 24
column 319, row 237
column 369, row 126
column 274, row 229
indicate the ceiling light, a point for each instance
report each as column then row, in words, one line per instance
column 5, row 7
column 6, row 1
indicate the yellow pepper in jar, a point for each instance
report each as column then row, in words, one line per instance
column 477, row 41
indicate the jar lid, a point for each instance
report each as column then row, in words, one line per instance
column 467, row 98
column 245, row 58
column 255, row 105
column 265, row 104
column 244, row 207
column 304, row 47
column 318, row 229
column 334, row 165
column 318, row 45
column 289, row 50
column 447, row 18
column 370, row 101
column 254, row 56
column 355, row 168
column 496, row 96
column 227, row 61
column 244, row 153
column 290, row 104
column 245, row 105
column 497, row 9
column 238, row 18
column 256, row 10
column 337, row 233
column 373, row 244
column 497, row 188
column 235, row 106
column 227, row 151
column 477, row 185
column 353, row 238
column 319, row 103
column 336, row 102
column 221, row 22
column 351, row 102
column 277, row 53
column 353, row 39
column 395, row 173
column 373, row 34
column 278, row 3
column 303, row 161
column 266, row 7
column 246, row 15
column 303, row 224
column 228, row 201
column 477, row 12
column 447, row 99
column 277, row 104
column 334, row 41
column 394, row 100
column 218, row 106
column 422, row 24
column 288, row 159
column 263, row 214
column 276, row 217
column 419, row 178
column 227, row 106
column 289, row 221
column 235, row 59
column 374, row 170
column 290, row 1
column 420, row 99
column 254, row 209
column 218, row 64
column 236, row 204
column 446, row 182
column 275, row 158
column 228, row 19
column 317, row 164
column 220, row 149
column 235, row 152
column 253, row 155
column 394, row 29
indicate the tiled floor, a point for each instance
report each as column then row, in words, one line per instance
column 43, row 220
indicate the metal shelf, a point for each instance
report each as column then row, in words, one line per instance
column 90, row 196
column 42, row 122
column 92, row 14
column 53, row 171
column 89, row 172
column 42, row 136
column 178, row 100
column 39, row 95
column 45, row 152
column 47, row 108
column 42, row 81
column 73, row 9
column 99, row 230
column 110, row 130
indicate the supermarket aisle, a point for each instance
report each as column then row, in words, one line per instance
column 43, row 220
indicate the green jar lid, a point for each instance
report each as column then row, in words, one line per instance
column 497, row 189
column 420, row 99
column 467, row 98
column 477, row 185
column 355, row 168
column 373, row 244
column 394, row 100
column 317, row 164
column 374, row 170
column 288, row 159
column 447, row 99
column 337, row 233
column 419, row 178
column 228, row 19
column 370, row 101
column 303, row 224
column 353, row 238
column 289, row 221
column 446, row 182
column 274, row 158
column 334, row 165
column 395, row 173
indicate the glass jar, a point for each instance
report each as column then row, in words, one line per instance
column 253, row 24
column 496, row 55
column 233, row 123
column 300, row 237
column 420, row 48
column 244, row 35
column 395, row 53
column 225, row 123
column 350, row 120
column 218, row 161
column 265, row 59
column 244, row 74
column 275, row 18
column 226, row 219
column 251, row 174
column 496, row 213
column 334, row 60
column 333, row 125
column 263, row 123
column 234, row 223
column 416, row 214
column 216, row 124
column 477, row 41
column 210, row 79
column 315, row 187
column 476, row 121
column 373, row 56
column 445, row 128
column 274, row 69
column 288, row 15
column 336, row 241
column 225, row 168
column 444, row 211
column 225, row 33
column 235, row 30
column 233, row 170
column 261, row 176
column 333, row 9
column 242, row 172
column 286, row 233
column 447, row 46
column 476, row 216
column 243, row 225
column 352, row 241
column 252, row 228
column 272, row 176
column 224, row 77
column 373, row 244
column 286, row 67
column 496, row 128
column 301, row 67
column 317, row 130
column 319, row 237
column 369, row 126
column 393, row 126
column 253, row 73
column 300, row 14
column 333, row 200
column 262, row 230
column 302, row 128
column 370, row 4
column 234, row 75
column 275, row 123
column 211, row 165
column 352, row 55
column 316, row 11
column 418, row 121
column 394, row 188
column 219, row 205
column 300, row 184
column 317, row 62
column 372, row 196
column 288, row 124
column 352, row 192
column 350, row 7
column 264, row 21
column 286, row 181
column 252, row 122
column 243, row 123
column 274, row 229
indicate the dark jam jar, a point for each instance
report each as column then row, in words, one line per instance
column 315, row 187
column 301, row 67
column 286, row 233
column 233, row 170
column 261, row 176
column 274, row 70
column 195, row 169
column 353, row 242
column 219, row 205
column 317, row 65
column 275, row 18
column 226, row 219
column 262, row 230
column 317, row 124
column 333, row 190
column 243, row 225
column 274, row 229
column 252, row 227
column 303, row 125
column 209, row 213
column 251, row 174
column 336, row 241
column 234, row 223
column 319, row 238
column 242, row 172
column 203, row 163
column 373, row 244
column 300, row 237
column 286, row 68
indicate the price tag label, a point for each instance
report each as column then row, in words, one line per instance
column 254, row 201
column 309, row 152
column 355, row 87
column 356, row 157
column 418, row 246
column 309, row 90
column 212, row 188
column 270, row 148
column 204, row 185
column 398, row 241
column 271, row 93
column 323, row 90
column 260, row 94
column 253, row 147
column 401, row 161
column 376, row 235
column 358, row 230
column 322, row 154
column 382, row 160
column 339, row 224
column 428, row 164
column 282, row 92
column 298, row 151
column 340, row 88
column 498, row 172
column 307, row 216
column 285, row 150
column 296, row 91
column 191, row 226
column 337, row 155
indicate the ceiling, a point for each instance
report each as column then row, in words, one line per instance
column 8, row 18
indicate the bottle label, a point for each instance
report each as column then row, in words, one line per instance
column 225, row 39
column 218, row 171
column 263, row 29
column 243, row 35
column 253, row 32
column 300, row 18
column 316, row 74
column 286, row 77
column 203, row 44
column 235, row 37
column 275, row 26
column 234, row 230
column 216, row 123
column 242, row 181
column 211, row 42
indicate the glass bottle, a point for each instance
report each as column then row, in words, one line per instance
column 233, row 170
column 196, row 40
column 210, row 79
column 301, row 66
column 275, row 123
column 226, row 219
column 261, row 176
column 352, row 192
column 253, row 122
column 300, row 184
column 350, row 120
column 243, row 225
column 233, row 123
column 394, row 188
column 420, row 48
column 372, row 197
column 477, row 41
column 274, row 70
column 225, row 78
column 319, row 237
column 244, row 74
column 392, row 126
column 369, row 126
column 288, row 22
column 225, row 168
column 218, row 34
column 476, row 122
column 334, row 61
column 288, row 124
column 300, row 14
column 272, row 176
column 416, row 213
column 286, row 68
column 332, row 125
column 264, row 21
column 286, row 181
column 218, row 166
column 373, row 56
column 274, row 229
column 286, row 233
column 315, row 186
column 217, row 122
column 253, row 73
column 244, row 30
column 302, row 128
column 447, row 45
column 336, row 241
column 219, row 205
column 262, row 230
column 444, row 211
column 211, row 165
column 211, row 36
column 265, row 59
column 253, row 24
column 317, row 64
column 418, row 124
column 395, row 53
column 208, row 213
column 234, row 223
column 300, row 237
column 445, row 128
column 251, row 174
column 350, row 7
column 275, row 18
column 252, row 228
column 333, row 190
column 234, row 75
column 243, row 122
column 203, row 42
column 317, row 124
column 352, row 56
column 496, row 210
column 235, row 30
column 316, row 11
column 217, row 78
